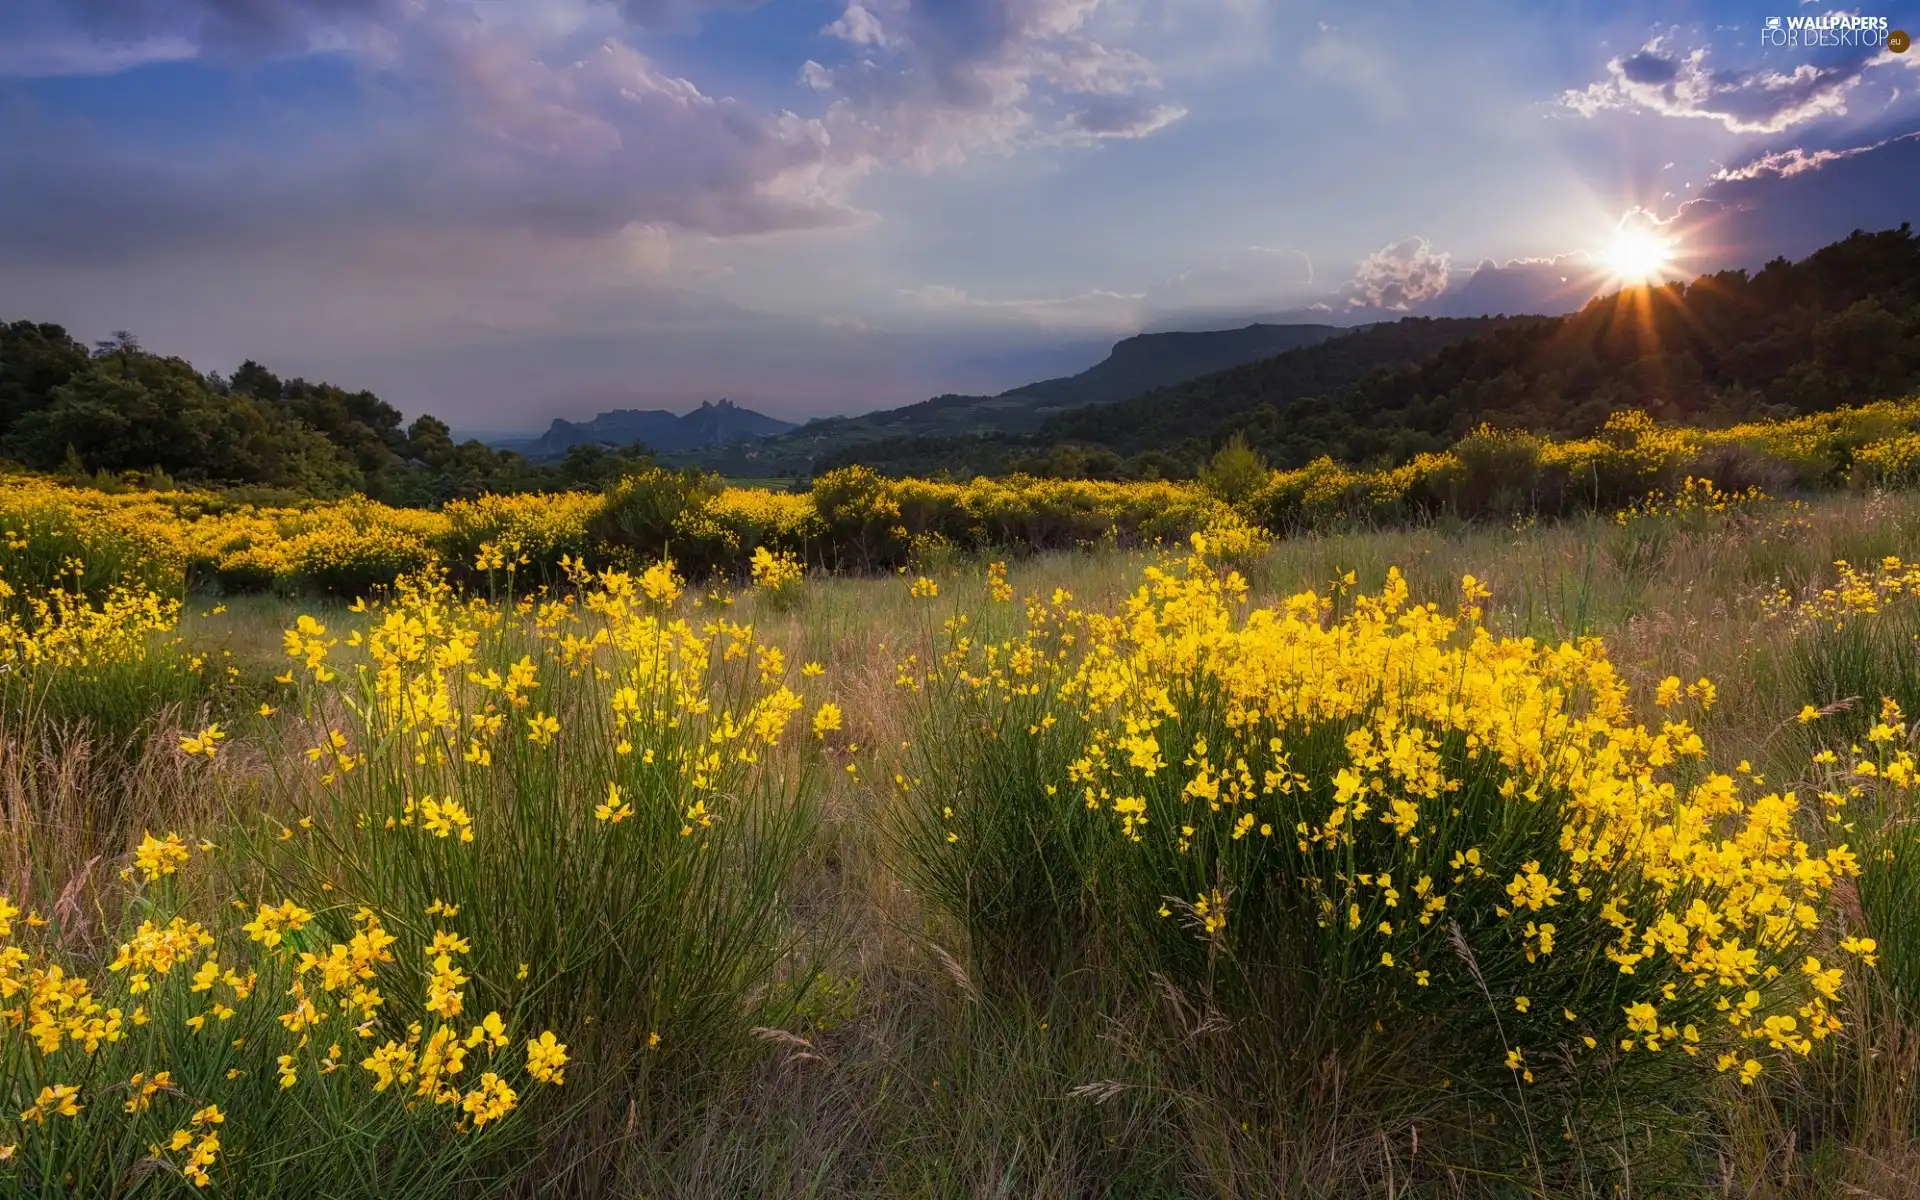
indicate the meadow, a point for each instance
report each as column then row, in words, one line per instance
column 1012, row 839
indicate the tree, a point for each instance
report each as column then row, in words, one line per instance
column 34, row 361
column 132, row 411
column 255, row 380
column 1235, row 472
column 430, row 440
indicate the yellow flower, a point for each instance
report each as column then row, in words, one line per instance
column 274, row 923
column 60, row 1099
column 445, row 818
column 206, row 742
column 541, row 729
column 491, row 1031
column 490, row 1101
column 613, row 809
column 826, row 720
column 155, row 857
column 547, row 1058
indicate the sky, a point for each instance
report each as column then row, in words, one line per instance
column 503, row 211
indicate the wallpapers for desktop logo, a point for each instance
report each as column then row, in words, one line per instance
column 1840, row 29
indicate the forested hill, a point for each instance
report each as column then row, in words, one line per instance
column 1167, row 431
column 1154, row 360
column 1168, row 418
column 116, row 408
column 1135, row 365
column 1841, row 326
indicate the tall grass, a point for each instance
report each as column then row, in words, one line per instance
column 897, row 954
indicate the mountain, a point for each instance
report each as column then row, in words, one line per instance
column 710, row 425
column 1176, row 422
column 1134, row 365
column 1195, row 410
column 1842, row 326
column 1151, row 360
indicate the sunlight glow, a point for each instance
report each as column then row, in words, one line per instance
column 1638, row 256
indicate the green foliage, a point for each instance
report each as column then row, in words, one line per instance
column 129, row 411
column 1235, row 472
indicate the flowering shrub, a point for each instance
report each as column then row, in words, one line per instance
column 1855, row 593
column 1695, row 497
column 1343, row 813
column 779, row 577
column 200, row 1050
column 625, row 792
column 854, row 519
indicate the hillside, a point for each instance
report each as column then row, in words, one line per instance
column 1154, row 360
column 1165, row 432
column 1841, row 326
column 710, row 425
column 1135, row 365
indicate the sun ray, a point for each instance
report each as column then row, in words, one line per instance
column 1638, row 256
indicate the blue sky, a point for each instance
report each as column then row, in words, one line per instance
column 507, row 210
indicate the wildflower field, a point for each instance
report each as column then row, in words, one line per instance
column 1015, row 839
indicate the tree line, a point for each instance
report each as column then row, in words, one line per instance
column 116, row 408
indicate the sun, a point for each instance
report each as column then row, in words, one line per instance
column 1638, row 256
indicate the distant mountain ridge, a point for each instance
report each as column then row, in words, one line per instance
column 1135, row 365
column 1147, row 361
column 710, row 425
column 1841, row 326
column 1179, row 419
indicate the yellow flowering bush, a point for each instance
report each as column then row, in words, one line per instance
column 84, row 541
column 780, row 577
column 622, row 790
column 1855, row 593
column 1338, row 814
column 1891, row 462
column 533, row 532
column 198, row 1050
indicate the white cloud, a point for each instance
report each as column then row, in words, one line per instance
column 1665, row 79
column 1399, row 275
column 1094, row 308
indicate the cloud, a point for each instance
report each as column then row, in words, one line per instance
column 933, row 82
column 858, row 26
column 1095, row 307
column 1792, row 202
column 1665, row 79
column 1121, row 117
column 503, row 139
column 1399, row 276
column 1547, row 285
column 510, row 127
column 226, row 28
